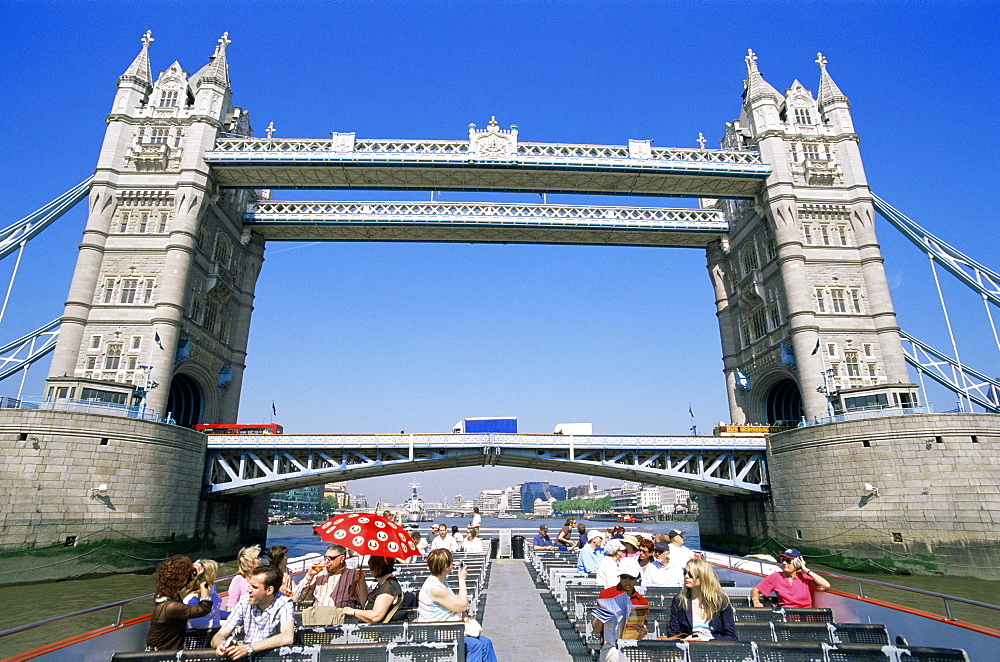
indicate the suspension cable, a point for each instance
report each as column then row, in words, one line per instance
column 951, row 334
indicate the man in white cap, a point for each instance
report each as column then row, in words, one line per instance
column 589, row 559
column 614, row 605
column 679, row 554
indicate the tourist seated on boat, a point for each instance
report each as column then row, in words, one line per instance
column 444, row 541
column 168, row 621
column 631, row 550
column 658, row 571
column 423, row 542
column 386, row 599
column 702, row 611
column 208, row 571
column 607, row 572
column 794, row 583
column 437, row 602
column 248, row 559
column 264, row 614
column 679, row 553
column 331, row 583
column 581, row 535
column 590, row 557
column 542, row 542
column 612, row 615
column 472, row 544
column 278, row 557
column 646, row 552
column 564, row 539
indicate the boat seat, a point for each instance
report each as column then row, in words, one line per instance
column 146, row 656
column 757, row 614
column 860, row 633
column 427, row 652
column 813, row 615
column 755, row 631
column 353, row 653
column 654, row 651
column 860, row 653
column 802, row 632
column 197, row 639
column 785, row 651
column 922, row 654
column 199, row 655
column 288, row 654
column 720, row 651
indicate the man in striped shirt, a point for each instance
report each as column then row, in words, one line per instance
column 333, row 584
column 264, row 615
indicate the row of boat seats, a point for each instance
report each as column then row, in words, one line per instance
column 380, row 652
column 727, row 651
column 358, row 633
column 767, row 635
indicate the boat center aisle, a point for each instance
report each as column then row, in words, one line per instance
column 516, row 618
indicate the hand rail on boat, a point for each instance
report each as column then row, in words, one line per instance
column 744, row 564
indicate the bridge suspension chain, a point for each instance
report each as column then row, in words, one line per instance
column 31, row 225
column 24, row 351
column 962, row 380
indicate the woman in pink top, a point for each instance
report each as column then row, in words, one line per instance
column 794, row 584
column 248, row 558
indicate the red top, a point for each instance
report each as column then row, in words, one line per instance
column 794, row 594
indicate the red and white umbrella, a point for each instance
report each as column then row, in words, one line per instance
column 368, row 534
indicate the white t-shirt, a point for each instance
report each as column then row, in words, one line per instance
column 476, row 520
column 679, row 556
column 474, row 546
column 607, row 572
column 654, row 574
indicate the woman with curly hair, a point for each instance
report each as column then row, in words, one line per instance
column 248, row 559
column 169, row 619
column 278, row 557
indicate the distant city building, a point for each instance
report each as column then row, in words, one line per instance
column 491, row 501
column 577, row 492
column 337, row 492
column 543, row 508
column 301, row 500
column 626, row 500
column 539, row 490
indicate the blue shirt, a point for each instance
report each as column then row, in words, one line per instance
column 542, row 541
column 589, row 559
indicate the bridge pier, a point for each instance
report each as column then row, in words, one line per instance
column 935, row 508
column 153, row 504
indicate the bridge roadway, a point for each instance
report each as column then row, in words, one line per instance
column 260, row 464
column 484, row 222
column 456, row 165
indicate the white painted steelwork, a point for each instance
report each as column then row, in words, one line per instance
column 485, row 222
column 259, row 464
column 27, row 349
column 346, row 163
column 959, row 379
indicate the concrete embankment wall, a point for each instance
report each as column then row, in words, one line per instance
column 154, row 504
column 937, row 507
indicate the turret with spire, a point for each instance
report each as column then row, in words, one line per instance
column 760, row 99
column 833, row 104
column 136, row 83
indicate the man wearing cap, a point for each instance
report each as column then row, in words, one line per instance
column 794, row 583
column 658, row 572
column 590, row 557
column 679, row 554
column 614, row 606
column 542, row 541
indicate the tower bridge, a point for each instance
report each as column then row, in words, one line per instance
column 159, row 311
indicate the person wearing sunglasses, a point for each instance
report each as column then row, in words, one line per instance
column 794, row 583
column 701, row 611
column 615, row 606
column 332, row 583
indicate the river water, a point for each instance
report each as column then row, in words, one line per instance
column 30, row 604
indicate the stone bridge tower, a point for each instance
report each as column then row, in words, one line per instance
column 159, row 307
column 806, row 320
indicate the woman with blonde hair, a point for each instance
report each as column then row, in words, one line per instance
column 248, row 559
column 208, row 570
column 701, row 611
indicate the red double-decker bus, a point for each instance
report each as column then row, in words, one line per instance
column 226, row 428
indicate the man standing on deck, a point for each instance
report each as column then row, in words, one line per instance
column 333, row 584
column 264, row 614
column 590, row 557
column 542, row 541
column 614, row 606
column 477, row 520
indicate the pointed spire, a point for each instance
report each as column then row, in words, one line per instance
column 755, row 87
column 828, row 90
column 216, row 71
column 139, row 71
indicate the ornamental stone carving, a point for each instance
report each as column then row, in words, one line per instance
column 493, row 143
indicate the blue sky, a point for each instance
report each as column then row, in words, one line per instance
column 381, row 337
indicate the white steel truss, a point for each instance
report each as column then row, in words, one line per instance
column 960, row 379
column 485, row 222
column 259, row 464
column 346, row 163
column 27, row 349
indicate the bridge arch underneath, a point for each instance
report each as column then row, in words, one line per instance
column 186, row 400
